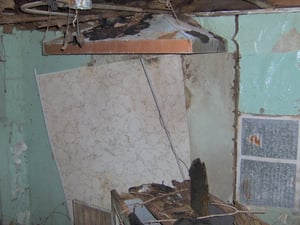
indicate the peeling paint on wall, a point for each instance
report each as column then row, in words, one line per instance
column 19, row 169
column 23, row 217
column 19, row 175
column 289, row 41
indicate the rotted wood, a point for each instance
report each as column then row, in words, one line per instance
column 168, row 204
column 159, row 46
column 7, row 4
column 285, row 3
column 163, row 201
column 199, row 188
column 22, row 18
column 119, row 209
column 184, row 189
column 184, row 6
column 85, row 214
column 63, row 21
column 42, row 20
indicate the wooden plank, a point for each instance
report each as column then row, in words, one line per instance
column 119, row 210
column 285, row 3
column 6, row 4
column 263, row 4
column 22, row 18
column 27, row 18
column 84, row 214
column 160, row 46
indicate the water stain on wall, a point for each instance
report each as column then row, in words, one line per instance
column 289, row 41
column 188, row 97
column 153, row 61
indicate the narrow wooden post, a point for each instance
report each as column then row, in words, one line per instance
column 199, row 188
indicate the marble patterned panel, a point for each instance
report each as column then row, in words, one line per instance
column 105, row 130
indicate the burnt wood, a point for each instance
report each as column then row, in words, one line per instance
column 199, row 188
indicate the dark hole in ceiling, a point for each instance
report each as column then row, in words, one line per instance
column 118, row 27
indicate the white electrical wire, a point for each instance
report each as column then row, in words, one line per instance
column 30, row 8
column 163, row 124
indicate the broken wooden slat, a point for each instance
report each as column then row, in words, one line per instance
column 126, row 47
column 24, row 18
column 285, row 3
column 6, row 4
column 120, row 211
column 184, row 185
column 84, row 214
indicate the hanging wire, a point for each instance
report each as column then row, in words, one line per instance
column 235, row 211
column 68, row 21
column 169, row 5
column 48, row 21
column 162, row 122
column 75, row 18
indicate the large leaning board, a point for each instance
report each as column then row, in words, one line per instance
column 105, row 130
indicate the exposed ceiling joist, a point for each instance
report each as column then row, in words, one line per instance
column 263, row 4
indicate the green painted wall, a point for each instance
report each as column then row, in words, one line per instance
column 269, row 71
column 14, row 179
column 269, row 78
column 31, row 190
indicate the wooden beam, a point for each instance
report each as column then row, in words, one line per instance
column 159, row 46
column 7, row 4
column 263, row 4
column 23, row 18
column 285, row 3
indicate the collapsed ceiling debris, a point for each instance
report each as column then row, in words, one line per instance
column 116, row 19
column 11, row 13
column 155, row 34
column 188, row 203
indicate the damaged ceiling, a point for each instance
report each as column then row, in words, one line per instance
column 114, row 19
column 111, row 12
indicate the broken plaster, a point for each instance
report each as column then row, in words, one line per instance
column 288, row 42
